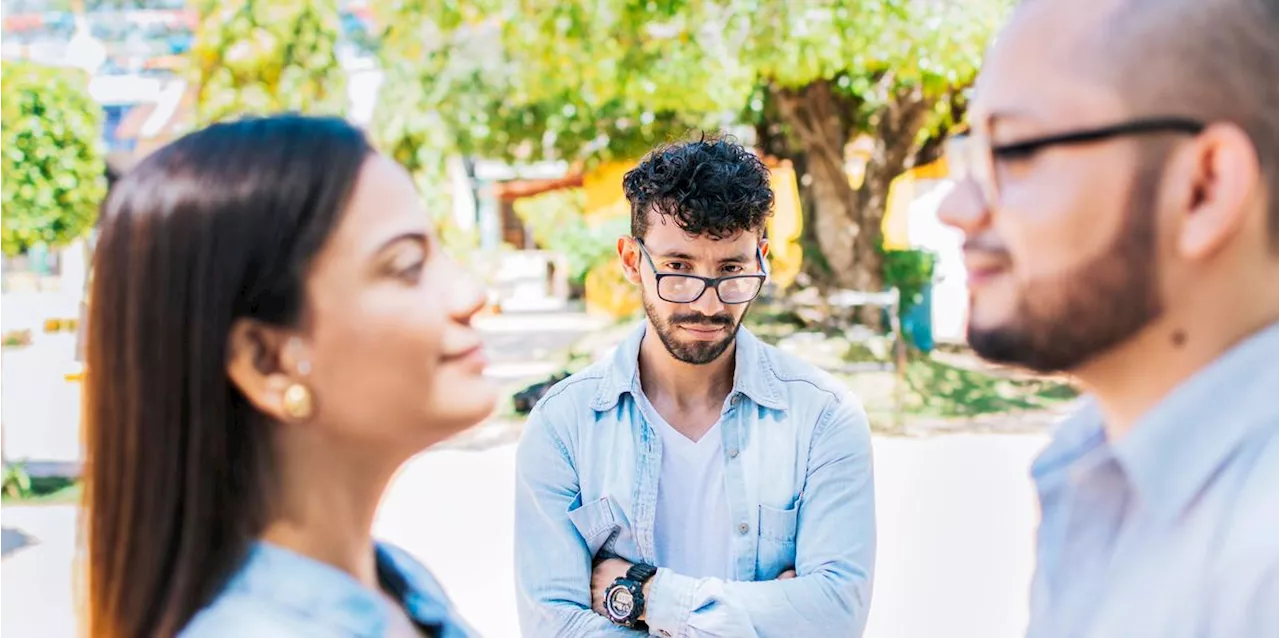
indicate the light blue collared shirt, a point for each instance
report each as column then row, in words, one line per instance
column 278, row 592
column 1172, row 531
column 797, row 466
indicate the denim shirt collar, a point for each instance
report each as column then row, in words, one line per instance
column 753, row 374
column 335, row 598
column 1173, row 449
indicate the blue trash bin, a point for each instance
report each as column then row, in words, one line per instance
column 917, row 321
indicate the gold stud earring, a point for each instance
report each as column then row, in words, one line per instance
column 297, row 402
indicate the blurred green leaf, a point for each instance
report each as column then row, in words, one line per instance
column 261, row 57
column 53, row 163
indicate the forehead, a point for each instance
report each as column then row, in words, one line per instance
column 665, row 237
column 1044, row 67
column 384, row 205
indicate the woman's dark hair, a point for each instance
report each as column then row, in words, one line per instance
column 219, row 225
column 710, row 186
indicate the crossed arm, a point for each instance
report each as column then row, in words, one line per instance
column 830, row 594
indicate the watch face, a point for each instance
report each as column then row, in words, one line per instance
column 620, row 603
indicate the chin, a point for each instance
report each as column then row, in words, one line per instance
column 461, row 409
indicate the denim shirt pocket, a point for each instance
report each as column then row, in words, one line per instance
column 777, row 549
column 599, row 523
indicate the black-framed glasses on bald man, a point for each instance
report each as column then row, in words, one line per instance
column 973, row 156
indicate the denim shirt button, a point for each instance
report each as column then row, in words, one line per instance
column 743, row 528
column 733, row 452
column 734, row 400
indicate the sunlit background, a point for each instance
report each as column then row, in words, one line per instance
column 518, row 119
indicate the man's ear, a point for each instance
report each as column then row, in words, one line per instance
column 262, row 362
column 764, row 247
column 629, row 255
column 1215, row 176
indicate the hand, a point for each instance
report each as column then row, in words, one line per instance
column 787, row 574
column 602, row 576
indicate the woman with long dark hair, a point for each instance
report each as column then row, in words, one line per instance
column 274, row 330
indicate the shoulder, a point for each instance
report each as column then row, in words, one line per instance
column 801, row 376
column 1243, row 589
column 1253, row 527
column 235, row 613
column 579, row 388
column 806, row 383
column 419, row 579
column 569, row 404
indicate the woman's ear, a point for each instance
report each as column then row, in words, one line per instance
column 263, row 362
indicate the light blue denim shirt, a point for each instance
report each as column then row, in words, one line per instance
column 278, row 592
column 797, row 464
column 1172, row 530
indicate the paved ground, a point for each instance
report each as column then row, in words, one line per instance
column 956, row 519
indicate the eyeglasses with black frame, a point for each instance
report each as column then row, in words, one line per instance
column 730, row 289
column 973, row 156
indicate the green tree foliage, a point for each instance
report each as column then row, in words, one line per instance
column 266, row 56
column 485, row 83
column 602, row 79
column 53, row 162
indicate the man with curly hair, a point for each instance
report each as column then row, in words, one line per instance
column 698, row 482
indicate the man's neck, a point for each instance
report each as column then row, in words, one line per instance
column 1132, row 378
column 684, row 386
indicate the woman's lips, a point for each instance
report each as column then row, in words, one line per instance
column 473, row 357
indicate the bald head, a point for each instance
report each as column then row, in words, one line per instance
column 1208, row 60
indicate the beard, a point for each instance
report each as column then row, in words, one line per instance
column 1063, row 321
column 693, row 352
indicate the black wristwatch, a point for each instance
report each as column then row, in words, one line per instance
column 624, row 599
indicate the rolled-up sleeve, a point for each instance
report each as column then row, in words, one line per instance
column 553, row 561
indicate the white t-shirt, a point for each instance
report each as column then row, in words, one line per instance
column 692, row 527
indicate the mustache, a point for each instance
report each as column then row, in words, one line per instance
column 985, row 245
column 695, row 319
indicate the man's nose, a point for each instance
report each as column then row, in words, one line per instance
column 709, row 303
column 964, row 208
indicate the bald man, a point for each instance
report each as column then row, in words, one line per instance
column 1117, row 193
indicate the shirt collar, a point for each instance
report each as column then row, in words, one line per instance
column 1075, row 438
column 752, row 376
column 318, row 590
column 1175, row 447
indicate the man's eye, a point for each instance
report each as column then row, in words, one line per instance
column 732, row 270
column 676, row 266
column 1015, row 153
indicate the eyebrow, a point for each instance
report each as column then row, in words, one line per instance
column 1009, row 116
column 416, row 236
column 740, row 258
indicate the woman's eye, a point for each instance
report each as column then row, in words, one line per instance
column 408, row 268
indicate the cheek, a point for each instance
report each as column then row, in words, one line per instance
column 1050, row 225
column 378, row 350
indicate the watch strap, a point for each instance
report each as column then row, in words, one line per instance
column 641, row 573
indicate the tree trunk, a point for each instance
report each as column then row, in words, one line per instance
column 773, row 140
column 847, row 221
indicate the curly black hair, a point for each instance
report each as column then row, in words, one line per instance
column 710, row 186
